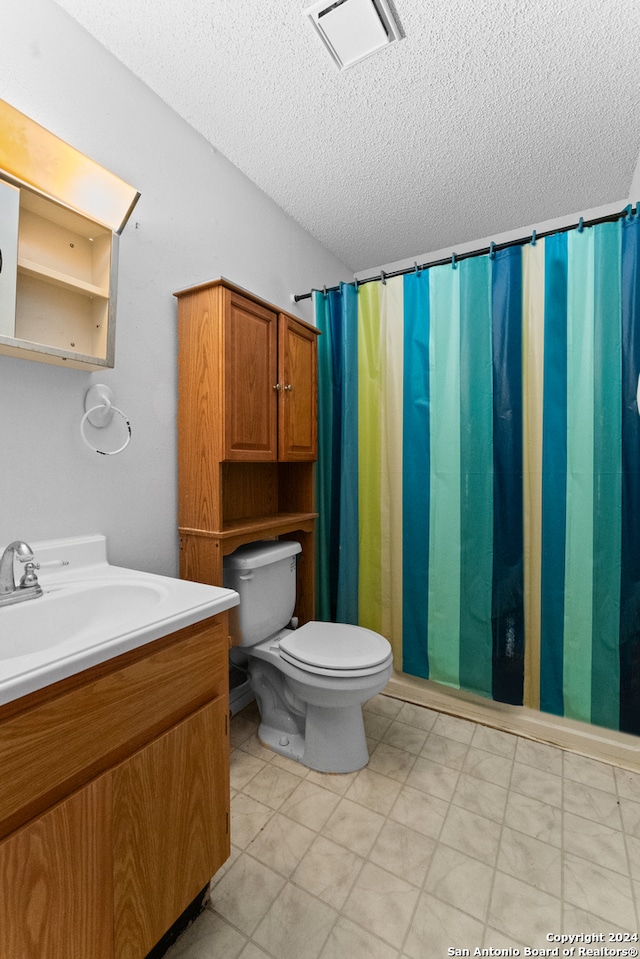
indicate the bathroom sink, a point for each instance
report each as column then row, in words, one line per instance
column 91, row 611
column 64, row 613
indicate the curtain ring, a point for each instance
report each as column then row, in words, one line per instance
column 492, row 251
column 356, row 283
column 454, row 265
column 580, row 226
column 533, row 238
column 324, row 291
column 383, row 277
column 415, row 268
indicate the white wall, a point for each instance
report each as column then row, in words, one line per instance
column 198, row 218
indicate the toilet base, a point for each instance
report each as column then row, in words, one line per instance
column 333, row 741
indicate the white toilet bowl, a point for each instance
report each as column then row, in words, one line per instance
column 309, row 683
column 314, row 714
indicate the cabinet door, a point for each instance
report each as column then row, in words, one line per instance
column 9, row 215
column 56, row 881
column 298, row 396
column 250, row 378
column 171, row 826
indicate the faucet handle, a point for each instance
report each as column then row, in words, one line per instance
column 29, row 578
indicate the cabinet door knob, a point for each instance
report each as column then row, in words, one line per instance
column 277, row 386
column 288, row 388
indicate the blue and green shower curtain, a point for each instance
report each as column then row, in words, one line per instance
column 479, row 472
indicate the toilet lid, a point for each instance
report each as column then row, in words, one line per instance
column 335, row 647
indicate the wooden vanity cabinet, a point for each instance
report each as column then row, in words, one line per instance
column 247, row 431
column 114, row 800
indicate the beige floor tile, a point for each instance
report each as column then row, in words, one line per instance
column 447, row 752
column 596, row 842
column 589, row 772
column 382, row 903
column 349, row 941
column 540, row 756
column 281, row 844
column 419, row 811
column 522, row 912
column 418, row 716
column 375, row 725
column 405, row 737
column 245, row 893
column 328, row 871
column 384, row 705
column 296, row 926
column 433, row 778
column 600, row 891
column 272, row 786
column 534, row 818
column 472, row 834
column 484, row 798
column 454, row 728
column 374, row 791
column 248, row 817
column 537, row 863
column 537, row 783
column 390, row 761
column 591, row 803
column 489, row 767
column 310, row 805
column 403, row 852
column 460, row 881
column 437, row 927
column 495, row 741
column 354, row 826
column 243, row 767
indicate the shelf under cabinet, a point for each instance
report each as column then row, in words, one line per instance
column 30, row 268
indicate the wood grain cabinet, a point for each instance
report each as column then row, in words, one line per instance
column 114, row 800
column 247, row 430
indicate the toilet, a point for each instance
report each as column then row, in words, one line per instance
column 310, row 682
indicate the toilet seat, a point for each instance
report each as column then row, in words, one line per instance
column 335, row 649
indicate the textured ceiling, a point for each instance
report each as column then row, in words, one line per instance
column 489, row 115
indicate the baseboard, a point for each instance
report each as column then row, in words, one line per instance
column 595, row 742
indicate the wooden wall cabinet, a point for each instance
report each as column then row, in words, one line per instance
column 247, row 430
column 58, row 304
column 114, row 800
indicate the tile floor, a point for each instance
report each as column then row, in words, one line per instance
column 455, row 837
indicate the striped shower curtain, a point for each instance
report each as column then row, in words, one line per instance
column 479, row 473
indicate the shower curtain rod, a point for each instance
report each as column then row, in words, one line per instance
column 492, row 248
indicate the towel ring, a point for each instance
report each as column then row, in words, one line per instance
column 99, row 398
column 95, row 449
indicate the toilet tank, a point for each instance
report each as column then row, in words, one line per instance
column 264, row 576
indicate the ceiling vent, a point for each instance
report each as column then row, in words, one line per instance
column 353, row 29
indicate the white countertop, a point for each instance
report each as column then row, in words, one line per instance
column 91, row 611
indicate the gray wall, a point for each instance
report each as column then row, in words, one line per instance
column 198, row 218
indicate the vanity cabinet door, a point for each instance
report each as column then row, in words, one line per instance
column 56, row 881
column 9, row 217
column 170, row 825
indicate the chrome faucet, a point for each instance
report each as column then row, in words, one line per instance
column 28, row 587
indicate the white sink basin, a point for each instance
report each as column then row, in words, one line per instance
column 91, row 611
